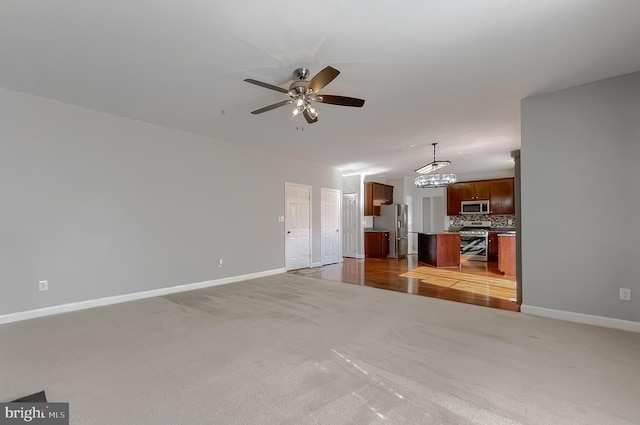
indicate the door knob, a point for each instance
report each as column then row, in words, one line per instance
column 288, row 231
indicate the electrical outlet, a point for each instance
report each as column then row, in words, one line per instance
column 219, row 262
column 625, row 294
column 43, row 285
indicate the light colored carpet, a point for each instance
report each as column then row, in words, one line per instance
column 290, row 349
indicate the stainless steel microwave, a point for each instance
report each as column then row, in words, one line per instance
column 475, row 207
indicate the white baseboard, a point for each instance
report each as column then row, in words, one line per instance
column 587, row 319
column 99, row 302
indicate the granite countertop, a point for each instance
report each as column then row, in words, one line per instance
column 492, row 229
column 374, row 230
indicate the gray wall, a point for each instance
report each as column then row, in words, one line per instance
column 398, row 190
column 101, row 205
column 580, row 164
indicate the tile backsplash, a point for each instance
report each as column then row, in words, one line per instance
column 501, row 221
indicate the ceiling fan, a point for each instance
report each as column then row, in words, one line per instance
column 303, row 93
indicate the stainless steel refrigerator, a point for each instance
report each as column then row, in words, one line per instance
column 394, row 219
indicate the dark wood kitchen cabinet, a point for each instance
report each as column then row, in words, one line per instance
column 376, row 244
column 368, row 200
column 376, row 194
column 507, row 254
column 454, row 197
column 499, row 192
column 465, row 191
column 386, row 194
column 502, row 198
column 493, row 246
column 473, row 191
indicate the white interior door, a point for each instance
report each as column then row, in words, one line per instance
column 349, row 225
column 330, row 225
column 297, row 225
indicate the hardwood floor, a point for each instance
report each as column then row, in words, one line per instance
column 473, row 282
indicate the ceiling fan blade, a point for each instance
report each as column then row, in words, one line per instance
column 340, row 100
column 323, row 78
column 270, row 107
column 267, row 85
column 308, row 117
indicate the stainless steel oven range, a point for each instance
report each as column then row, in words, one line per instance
column 474, row 240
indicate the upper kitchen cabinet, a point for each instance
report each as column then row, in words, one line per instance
column 376, row 194
column 465, row 191
column 499, row 192
column 386, row 194
column 454, row 197
column 501, row 200
column 472, row 191
column 368, row 199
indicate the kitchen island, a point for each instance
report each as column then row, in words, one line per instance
column 439, row 249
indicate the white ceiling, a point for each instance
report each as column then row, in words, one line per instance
column 444, row 71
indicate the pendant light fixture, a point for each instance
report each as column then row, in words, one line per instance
column 437, row 179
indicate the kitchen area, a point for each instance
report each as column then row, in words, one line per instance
column 455, row 243
column 480, row 234
column 483, row 214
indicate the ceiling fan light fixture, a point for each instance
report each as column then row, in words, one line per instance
column 312, row 112
column 302, row 93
